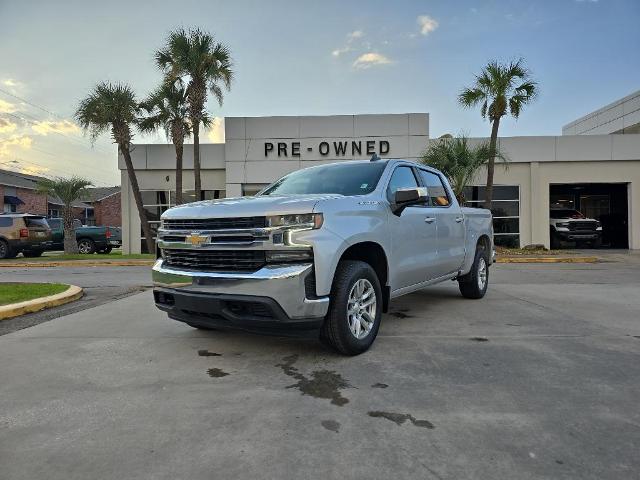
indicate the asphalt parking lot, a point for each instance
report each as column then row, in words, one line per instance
column 541, row 379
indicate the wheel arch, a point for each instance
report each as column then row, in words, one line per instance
column 374, row 254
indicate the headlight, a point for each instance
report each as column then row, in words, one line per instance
column 302, row 220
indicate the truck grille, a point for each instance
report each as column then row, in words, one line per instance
column 573, row 226
column 214, row 223
column 215, row 260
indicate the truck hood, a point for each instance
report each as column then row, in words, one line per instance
column 247, row 206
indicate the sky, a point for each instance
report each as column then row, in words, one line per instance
column 305, row 57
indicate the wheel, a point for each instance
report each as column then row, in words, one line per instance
column 86, row 246
column 474, row 284
column 597, row 243
column 555, row 241
column 32, row 253
column 355, row 311
column 6, row 251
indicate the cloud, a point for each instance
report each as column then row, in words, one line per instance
column 6, row 107
column 23, row 142
column 46, row 127
column 7, row 126
column 427, row 24
column 10, row 82
column 370, row 59
column 216, row 132
column 339, row 51
column 351, row 36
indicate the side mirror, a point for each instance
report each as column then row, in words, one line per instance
column 405, row 197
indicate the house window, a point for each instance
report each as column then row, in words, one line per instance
column 505, row 208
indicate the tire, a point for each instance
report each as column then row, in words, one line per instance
column 555, row 241
column 86, row 246
column 474, row 284
column 597, row 243
column 32, row 253
column 353, row 280
column 6, row 251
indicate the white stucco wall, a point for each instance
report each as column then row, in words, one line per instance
column 621, row 116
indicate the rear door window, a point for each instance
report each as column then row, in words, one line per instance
column 6, row 222
column 438, row 195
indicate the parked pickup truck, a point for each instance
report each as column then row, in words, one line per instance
column 567, row 225
column 323, row 249
column 90, row 239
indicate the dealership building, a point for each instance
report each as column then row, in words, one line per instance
column 593, row 167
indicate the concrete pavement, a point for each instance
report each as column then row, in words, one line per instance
column 537, row 380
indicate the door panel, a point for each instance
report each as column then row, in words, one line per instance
column 414, row 254
column 451, row 228
column 413, row 236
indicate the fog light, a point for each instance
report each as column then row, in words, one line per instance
column 284, row 256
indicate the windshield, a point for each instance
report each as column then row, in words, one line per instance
column 561, row 213
column 340, row 178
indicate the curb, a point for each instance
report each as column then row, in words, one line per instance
column 547, row 260
column 80, row 263
column 15, row 309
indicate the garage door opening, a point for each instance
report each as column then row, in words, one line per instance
column 589, row 215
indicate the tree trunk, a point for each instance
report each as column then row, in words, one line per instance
column 196, row 160
column 70, row 243
column 488, row 194
column 138, row 198
column 179, row 149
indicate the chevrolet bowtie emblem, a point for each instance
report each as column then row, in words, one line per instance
column 196, row 239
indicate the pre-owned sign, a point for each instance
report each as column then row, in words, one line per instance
column 337, row 148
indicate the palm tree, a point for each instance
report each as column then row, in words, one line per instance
column 195, row 58
column 113, row 107
column 167, row 108
column 499, row 89
column 68, row 190
column 458, row 160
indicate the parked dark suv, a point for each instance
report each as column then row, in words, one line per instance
column 23, row 233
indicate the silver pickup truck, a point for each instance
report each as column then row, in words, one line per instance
column 321, row 251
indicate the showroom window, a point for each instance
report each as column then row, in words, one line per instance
column 505, row 208
column 156, row 202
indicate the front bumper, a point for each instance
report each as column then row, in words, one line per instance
column 234, row 298
column 578, row 235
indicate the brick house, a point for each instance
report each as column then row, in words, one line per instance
column 99, row 206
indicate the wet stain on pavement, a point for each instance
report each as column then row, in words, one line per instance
column 479, row 339
column 322, row 384
column 559, row 462
column 331, row 425
column 513, row 325
column 379, row 385
column 207, row 353
column 216, row 373
column 400, row 418
column 400, row 313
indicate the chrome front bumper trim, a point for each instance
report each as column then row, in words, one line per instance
column 283, row 283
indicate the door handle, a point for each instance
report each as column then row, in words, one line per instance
column 459, row 219
column 430, row 219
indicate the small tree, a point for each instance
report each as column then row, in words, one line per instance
column 68, row 190
column 113, row 108
column 458, row 160
column 499, row 89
